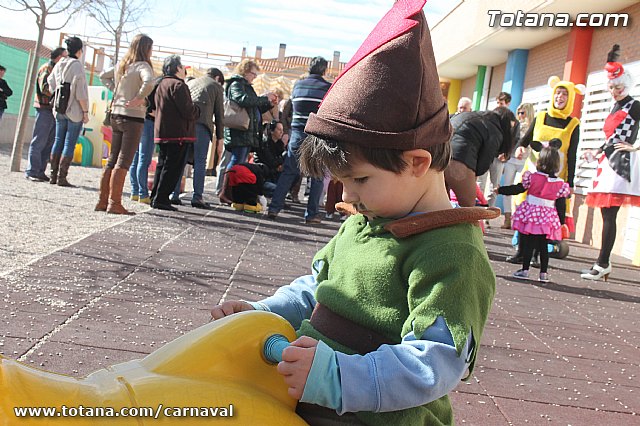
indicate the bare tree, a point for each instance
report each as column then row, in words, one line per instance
column 41, row 10
column 118, row 18
column 122, row 17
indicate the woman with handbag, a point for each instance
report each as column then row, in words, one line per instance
column 241, row 137
column 68, row 83
column 131, row 81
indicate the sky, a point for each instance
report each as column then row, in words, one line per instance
column 307, row 27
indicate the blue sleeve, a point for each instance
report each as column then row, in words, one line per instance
column 410, row 374
column 293, row 302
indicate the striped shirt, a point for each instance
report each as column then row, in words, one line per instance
column 306, row 97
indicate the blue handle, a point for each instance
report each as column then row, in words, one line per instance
column 273, row 348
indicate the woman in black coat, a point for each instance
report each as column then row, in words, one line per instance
column 271, row 152
column 478, row 138
column 174, row 128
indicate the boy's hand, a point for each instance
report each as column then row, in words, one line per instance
column 229, row 308
column 296, row 364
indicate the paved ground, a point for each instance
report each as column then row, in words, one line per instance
column 82, row 290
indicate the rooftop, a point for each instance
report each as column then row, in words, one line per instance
column 26, row 45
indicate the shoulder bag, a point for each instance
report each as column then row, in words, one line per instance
column 62, row 94
column 235, row 116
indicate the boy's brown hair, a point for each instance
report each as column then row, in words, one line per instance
column 317, row 156
column 504, row 96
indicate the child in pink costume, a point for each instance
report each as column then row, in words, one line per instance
column 536, row 218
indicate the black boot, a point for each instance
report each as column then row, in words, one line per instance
column 55, row 166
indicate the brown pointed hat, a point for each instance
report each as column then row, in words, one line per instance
column 388, row 95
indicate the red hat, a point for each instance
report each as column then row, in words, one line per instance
column 613, row 68
column 388, row 95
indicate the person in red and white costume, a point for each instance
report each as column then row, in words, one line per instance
column 617, row 181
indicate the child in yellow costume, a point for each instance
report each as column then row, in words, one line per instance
column 555, row 122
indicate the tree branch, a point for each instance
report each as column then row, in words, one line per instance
column 78, row 5
column 15, row 10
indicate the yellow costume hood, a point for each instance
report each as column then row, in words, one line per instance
column 554, row 83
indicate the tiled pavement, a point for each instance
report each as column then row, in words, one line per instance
column 566, row 352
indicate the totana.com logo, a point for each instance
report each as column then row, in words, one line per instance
column 538, row 20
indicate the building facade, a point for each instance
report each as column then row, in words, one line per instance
column 516, row 46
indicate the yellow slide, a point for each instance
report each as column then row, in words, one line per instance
column 216, row 373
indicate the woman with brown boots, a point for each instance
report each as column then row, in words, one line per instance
column 131, row 81
column 68, row 83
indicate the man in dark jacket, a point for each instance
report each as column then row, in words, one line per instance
column 44, row 130
column 5, row 91
column 207, row 95
column 174, row 128
column 305, row 98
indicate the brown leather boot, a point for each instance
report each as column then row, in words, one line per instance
column 116, row 184
column 105, row 184
column 55, row 165
column 65, row 163
column 507, row 221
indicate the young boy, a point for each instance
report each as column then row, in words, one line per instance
column 247, row 185
column 392, row 315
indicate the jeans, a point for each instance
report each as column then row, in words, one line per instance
column 222, row 169
column 200, row 151
column 508, row 178
column 290, row 173
column 67, row 133
column 268, row 188
column 495, row 174
column 239, row 154
column 139, row 171
column 44, row 134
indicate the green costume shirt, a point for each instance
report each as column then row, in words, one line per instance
column 396, row 285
